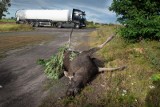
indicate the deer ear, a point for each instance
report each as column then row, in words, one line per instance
column 66, row 73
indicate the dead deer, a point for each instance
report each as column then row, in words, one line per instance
column 83, row 68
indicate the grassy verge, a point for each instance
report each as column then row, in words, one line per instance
column 6, row 27
column 13, row 42
column 132, row 87
column 8, row 20
column 92, row 26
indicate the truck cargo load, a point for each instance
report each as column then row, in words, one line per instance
column 58, row 18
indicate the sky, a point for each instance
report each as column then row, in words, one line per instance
column 96, row 10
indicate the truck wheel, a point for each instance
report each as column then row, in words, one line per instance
column 59, row 25
column 36, row 24
column 32, row 24
column 77, row 26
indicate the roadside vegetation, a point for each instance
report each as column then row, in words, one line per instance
column 54, row 65
column 91, row 24
column 140, row 19
column 9, row 25
column 136, row 86
column 4, row 5
column 133, row 86
column 7, row 21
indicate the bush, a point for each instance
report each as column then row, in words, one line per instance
column 141, row 28
column 140, row 18
column 54, row 65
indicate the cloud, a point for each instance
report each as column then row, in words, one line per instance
column 96, row 10
column 97, row 14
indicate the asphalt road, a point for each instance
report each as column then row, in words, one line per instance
column 22, row 81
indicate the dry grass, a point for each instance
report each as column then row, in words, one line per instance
column 13, row 42
column 6, row 27
column 132, row 87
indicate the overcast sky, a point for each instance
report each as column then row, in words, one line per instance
column 96, row 10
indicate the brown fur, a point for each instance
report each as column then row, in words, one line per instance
column 83, row 68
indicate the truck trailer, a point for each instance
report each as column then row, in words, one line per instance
column 56, row 18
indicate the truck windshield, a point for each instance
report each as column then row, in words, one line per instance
column 78, row 15
column 83, row 16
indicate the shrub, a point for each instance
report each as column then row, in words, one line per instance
column 140, row 18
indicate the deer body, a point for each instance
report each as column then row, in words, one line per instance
column 83, row 68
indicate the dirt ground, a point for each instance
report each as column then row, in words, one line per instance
column 22, row 81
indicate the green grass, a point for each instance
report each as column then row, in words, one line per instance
column 8, row 20
column 132, row 87
column 54, row 65
column 92, row 25
column 142, row 59
column 14, row 27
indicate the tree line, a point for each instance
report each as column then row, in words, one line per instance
column 141, row 18
column 4, row 4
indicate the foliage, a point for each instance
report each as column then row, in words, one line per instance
column 7, row 20
column 156, row 77
column 4, row 4
column 128, row 88
column 72, row 55
column 152, row 53
column 139, row 17
column 91, row 24
column 142, row 60
column 54, row 65
column 15, row 27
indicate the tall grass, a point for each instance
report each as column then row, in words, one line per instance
column 14, row 27
column 132, row 87
column 8, row 20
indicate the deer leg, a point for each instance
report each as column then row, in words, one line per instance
column 111, row 69
column 108, row 40
column 95, row 49
column 69, row 41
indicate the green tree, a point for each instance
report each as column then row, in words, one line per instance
column 4, row 4
column 141, row 18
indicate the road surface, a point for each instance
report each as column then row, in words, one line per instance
column 22, row 81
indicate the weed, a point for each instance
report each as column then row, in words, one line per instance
column 15, row 27
column 8, row 20
column 54, row 65
column 142, row 61
column 156, row 77
column 131, row 87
